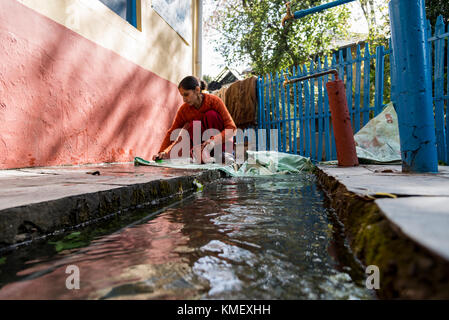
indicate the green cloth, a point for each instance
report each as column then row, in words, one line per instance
column 259, row 163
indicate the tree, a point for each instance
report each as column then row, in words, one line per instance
column 207, row 78
column 377, row 16
column 434, row 8
column 251, row 30
column 378, row 19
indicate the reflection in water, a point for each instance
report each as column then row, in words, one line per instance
column 242, row 238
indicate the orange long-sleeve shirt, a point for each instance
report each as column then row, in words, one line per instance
column 187, row 113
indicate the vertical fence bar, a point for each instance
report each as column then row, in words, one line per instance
column 295, row 144
column 392, row 75
column 447, row 100
column 265, row 103
column 349, row 76
column 312, row 114
column 267, row 110
column 320, row 114
column 301, row 107
column 272, row 108
column 282, row 120
column 439, row 89
column 334, row 148
column 306, row 115
column 260, row 104
column 261, row 108
column 287, row 119
column 277, row 122
column 366, row 84
column 358, row 80
column 327, row 137
column 341, row 65
column 290, row 138
column 379, row 84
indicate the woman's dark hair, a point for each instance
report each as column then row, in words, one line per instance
column 191, row 82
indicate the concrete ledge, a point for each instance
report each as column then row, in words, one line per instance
column 406, row 239
column 423, row 219
column 37, row 202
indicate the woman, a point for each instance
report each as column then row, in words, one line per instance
column 198, row 106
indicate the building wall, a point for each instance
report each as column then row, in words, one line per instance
column 78, row 84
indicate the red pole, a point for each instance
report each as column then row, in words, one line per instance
column 341, row 121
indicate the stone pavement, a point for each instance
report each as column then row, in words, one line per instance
column 417, row 204
column 35, row 202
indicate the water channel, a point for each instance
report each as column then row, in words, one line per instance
column 241, row 238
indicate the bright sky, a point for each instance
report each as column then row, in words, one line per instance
column 213, row 62
column 358, row 21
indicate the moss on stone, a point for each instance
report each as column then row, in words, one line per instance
column 406, row 269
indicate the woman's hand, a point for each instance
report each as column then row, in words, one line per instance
column 209, row 142
column 206, row 149
column 160, row 156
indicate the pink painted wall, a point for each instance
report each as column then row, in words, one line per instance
column 66, row 100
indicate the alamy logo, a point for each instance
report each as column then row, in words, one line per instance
column 73, row 16
column 373, row 280
column 267, row 140
column 73, row 280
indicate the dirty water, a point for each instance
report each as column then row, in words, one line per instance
column 241, row 238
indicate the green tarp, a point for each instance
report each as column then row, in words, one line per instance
column 258, row 163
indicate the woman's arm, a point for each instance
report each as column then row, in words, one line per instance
column 178, row 122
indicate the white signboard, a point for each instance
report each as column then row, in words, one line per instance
column 178, row 14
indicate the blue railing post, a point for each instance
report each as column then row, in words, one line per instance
column 414, row 87
column 379, row 82
column 303, row 13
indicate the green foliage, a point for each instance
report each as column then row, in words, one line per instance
column 72, row 241
column 207, row 78
column 2, row 260
column 377, row 16
column 378, row 19
column 434, row 8
column 251, row 31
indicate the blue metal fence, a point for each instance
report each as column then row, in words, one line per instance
column 300, row 111
column 439, row 55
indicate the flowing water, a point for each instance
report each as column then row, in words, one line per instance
column 241, row 238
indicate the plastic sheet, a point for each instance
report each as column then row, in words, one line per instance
column 259, row 163
column 378, row 141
